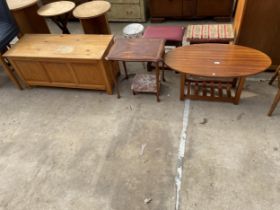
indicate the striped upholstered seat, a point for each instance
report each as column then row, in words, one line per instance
column 217, row 33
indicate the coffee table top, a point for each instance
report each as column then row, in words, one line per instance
column 137, row 50
column 91, row 9
column 66, row 46
column 217, row 60
column 56, row 8
column 20, row 4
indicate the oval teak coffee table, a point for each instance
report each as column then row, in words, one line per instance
column 93, row 17
column 208, row 69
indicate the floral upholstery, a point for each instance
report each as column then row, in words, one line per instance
column 210, row 33
column 144, row 83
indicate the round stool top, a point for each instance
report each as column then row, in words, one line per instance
column 133, row 29
column 91, row 9
column 56, row 8
column 20, row 4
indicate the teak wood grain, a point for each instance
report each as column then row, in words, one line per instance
column 207, row 68
column 217, row 60
column 137, row 50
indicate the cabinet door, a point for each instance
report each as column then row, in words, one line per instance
column 166, row 8
column 222, row 8
column 189, row 7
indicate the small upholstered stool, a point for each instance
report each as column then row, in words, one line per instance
column 210, row 33
column 133, row 30
column 145, row 83
column 172, row 34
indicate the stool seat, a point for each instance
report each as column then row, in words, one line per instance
column 56, row 8
column 169, row 33
column 145, row 83
column 217, row 33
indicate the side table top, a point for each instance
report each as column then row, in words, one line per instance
column 91, row 9
column 217, row 60
column 56, row 8
column 66, row 46
column 140, row 49
column 20, row 4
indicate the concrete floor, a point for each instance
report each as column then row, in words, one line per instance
column 79, row 149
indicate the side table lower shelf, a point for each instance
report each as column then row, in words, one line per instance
column 212, row 89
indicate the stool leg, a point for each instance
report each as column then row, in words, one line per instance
column 157, row 81
column 125, row 69
column 274, row 104
column 275, row 75
column 115, row 81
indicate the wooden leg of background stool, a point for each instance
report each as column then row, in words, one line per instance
column 275, row 75
column 274, row 104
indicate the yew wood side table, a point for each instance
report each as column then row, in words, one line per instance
column 140, row 50
column 27, row 19
column 59, row 13
column 93, row 17
column 208, row 69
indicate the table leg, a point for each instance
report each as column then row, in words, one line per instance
column 182, row 86
column 125, row 69
column 115, row 81
column 61, row 22
column 239, row 90
column 157, row 81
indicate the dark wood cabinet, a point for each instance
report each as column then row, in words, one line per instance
column 190, row 8
column 257, row 25
column 219, row 8
column 169, row 8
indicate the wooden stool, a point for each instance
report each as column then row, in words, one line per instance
column 93, row 17
column 173, row 36
column 59, row 12
column 27, row 19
